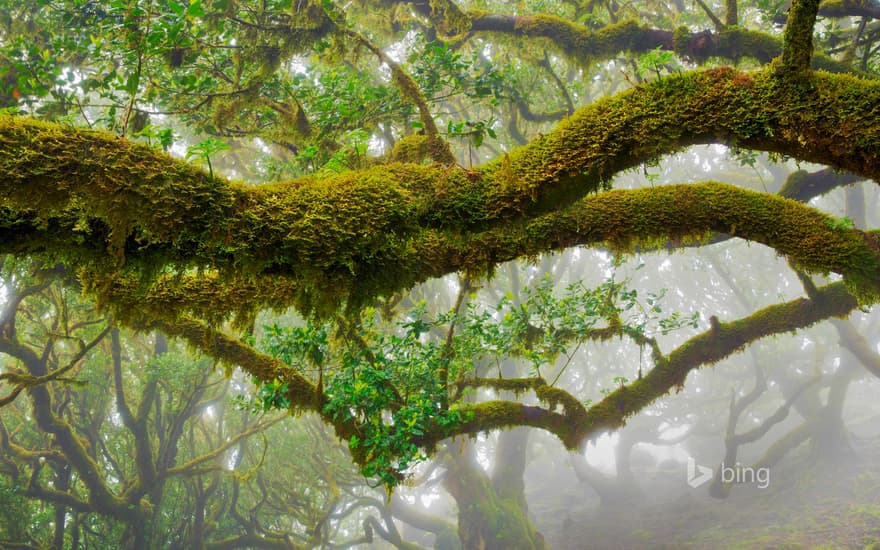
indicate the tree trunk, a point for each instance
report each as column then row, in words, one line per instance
column 488, row 519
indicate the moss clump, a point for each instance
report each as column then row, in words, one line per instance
column 585, row 45
column 418, row 148
column 450, row 19
column 681, row 41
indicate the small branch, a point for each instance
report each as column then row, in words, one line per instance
column 409, row 89
column 183, row 469
column 22, row 380
column 732, row 442
column 545, row 64
column 781, row 414
column 852, row 339
column 448, row 349
column 719, row 25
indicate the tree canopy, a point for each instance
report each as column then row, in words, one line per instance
column 189, row 165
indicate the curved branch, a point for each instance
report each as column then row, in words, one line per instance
column 370, row 232
column 587, row 45
column 756, row 433
column 852, row 340
column 804, row 186
column 420, row 519
column 190, row 466
column 705, row 349
column 623, row 220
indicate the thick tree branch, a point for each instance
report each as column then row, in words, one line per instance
column 623, row 220
column 587, row 45
column 78, row 195
column 63, row 498
column 804, row 186
column 849, row 8
column 844, row 8
column 572, row 423
column 705, row 349
column 418, row 518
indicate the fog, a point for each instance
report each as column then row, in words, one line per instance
column 775, row 446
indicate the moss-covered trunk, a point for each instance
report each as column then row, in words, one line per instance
column 488, row 518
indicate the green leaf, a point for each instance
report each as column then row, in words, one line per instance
column 195, row 9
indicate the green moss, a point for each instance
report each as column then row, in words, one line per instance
column 117, row 207
column 451, row 20
column 583, row 44
column 417, row 148
column 798, row 37
column 681, row 41
column 737, row 43
column 485, row 519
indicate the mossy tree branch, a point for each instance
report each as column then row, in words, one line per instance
column 573, row 426
column 621, row 219
column 76, row 195
column 847, row 8
column 804, row 186
column 573, row 423
column 586, row 45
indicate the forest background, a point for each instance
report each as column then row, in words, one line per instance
column 304, row 274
